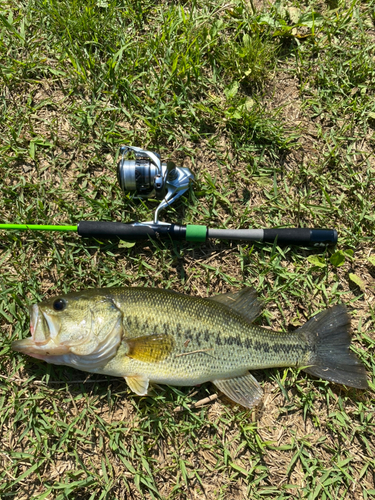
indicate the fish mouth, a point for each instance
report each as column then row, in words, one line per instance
column 34, row 312
column 30, row 347
column 43, row 331
column 39, row 328
column 24, row 345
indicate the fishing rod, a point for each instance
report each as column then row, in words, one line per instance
column 149, row 177
column 137, row 231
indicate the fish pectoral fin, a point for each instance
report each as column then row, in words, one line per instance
column 244, row 390
column 244, row 302
column 149, row 348
column 138, row 384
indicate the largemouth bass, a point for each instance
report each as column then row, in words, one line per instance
column 152, row 335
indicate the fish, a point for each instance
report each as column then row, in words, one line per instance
column 157, row 336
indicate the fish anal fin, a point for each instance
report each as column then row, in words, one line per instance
column 244, row 302
column 149, row 348
column 138, row 384
column 244, row 389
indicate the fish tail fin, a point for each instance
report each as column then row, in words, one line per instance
column 328, row 334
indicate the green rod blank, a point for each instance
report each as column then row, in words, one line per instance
column 37, row 227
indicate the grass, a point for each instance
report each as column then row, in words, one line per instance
column 272, row 107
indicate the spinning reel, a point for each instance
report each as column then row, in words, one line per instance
column 150, row 178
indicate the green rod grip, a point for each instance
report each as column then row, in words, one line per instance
column 196, row 233
column 37, row 227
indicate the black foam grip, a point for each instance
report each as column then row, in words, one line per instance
column 301, row 236
column 129, row 232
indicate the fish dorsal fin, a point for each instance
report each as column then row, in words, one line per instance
column 244, row 390
column 138, row 384
column 244, row 302
column 149, row 348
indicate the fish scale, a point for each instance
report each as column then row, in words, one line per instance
column 153, row 335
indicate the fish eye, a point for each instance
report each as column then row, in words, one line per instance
column 59, row 305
